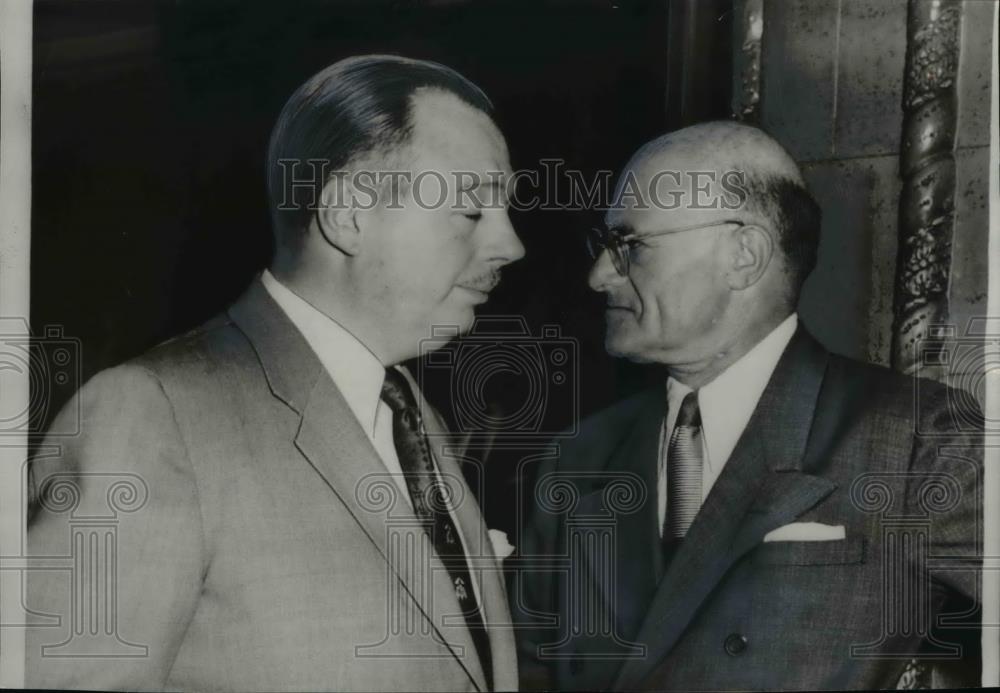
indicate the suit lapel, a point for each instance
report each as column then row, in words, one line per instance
column 628, row 589
column 335, row 445
column 618, row 579
column 761, row 488
column 289, row 364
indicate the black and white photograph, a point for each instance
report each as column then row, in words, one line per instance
column 499, row 345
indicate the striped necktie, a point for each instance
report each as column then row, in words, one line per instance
column 684, row 470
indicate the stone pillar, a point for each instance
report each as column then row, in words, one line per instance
column 927, row 169
column 748, row 30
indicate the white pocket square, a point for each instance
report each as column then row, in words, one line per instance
column 501, row 545
column 806, row 531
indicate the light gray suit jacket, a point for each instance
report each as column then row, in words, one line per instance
column 222, row 522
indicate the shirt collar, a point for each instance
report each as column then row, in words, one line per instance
column 355, row 370
column 727, row 403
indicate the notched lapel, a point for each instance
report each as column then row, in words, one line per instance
column 636, row 531
column 616, row 560
column 701, row 559
column 783, row 497
column 761, row 488
column 289, row 363
column 730, row 526
column 334, row 444
column 624, row 572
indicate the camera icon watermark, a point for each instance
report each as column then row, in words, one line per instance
column 52, row 363
column 536, row 374
column 964, row 361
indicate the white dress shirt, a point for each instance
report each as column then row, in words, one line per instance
column 359, row 375
column 726, row 405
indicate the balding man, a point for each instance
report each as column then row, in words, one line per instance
column 783, row 518
column 267, row 503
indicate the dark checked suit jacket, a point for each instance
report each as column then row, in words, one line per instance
column 253, row 551
column 831, row 441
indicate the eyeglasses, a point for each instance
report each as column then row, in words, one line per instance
column 620, row 245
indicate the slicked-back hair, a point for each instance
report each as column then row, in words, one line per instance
column 356, row 108
column 796, row 217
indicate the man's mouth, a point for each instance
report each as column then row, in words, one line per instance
column 482, row 285
column 479, row 292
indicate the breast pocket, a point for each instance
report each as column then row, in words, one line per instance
column 839, row 552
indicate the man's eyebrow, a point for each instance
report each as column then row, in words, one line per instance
column 486, row 192
column 621, row 229
column 495, row 187
column 475, row 181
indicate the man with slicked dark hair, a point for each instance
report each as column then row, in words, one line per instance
column 783, row 518
column 298, row 519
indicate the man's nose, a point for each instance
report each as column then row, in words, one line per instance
column 505, row 246
column 603, row 274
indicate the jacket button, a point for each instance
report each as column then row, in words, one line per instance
column 735, row 644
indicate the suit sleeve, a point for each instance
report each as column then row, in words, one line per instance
column 946, row 484
column 115, row 541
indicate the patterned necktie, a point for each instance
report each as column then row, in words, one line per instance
column 684, row 468
column 428, row 496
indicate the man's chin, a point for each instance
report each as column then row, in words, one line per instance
column 460, row 320
column 619, row 346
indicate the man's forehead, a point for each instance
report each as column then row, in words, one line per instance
column 448, row 129
column 675, row 163
column 676, row 182
column 719, row 147
column 624, row 219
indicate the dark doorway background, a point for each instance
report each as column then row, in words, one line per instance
column 150, row 121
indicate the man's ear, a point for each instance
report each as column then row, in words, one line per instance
column 753, row 253
column 337, row 214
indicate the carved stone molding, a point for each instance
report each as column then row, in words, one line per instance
column 927, row 169
column 748, row 30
